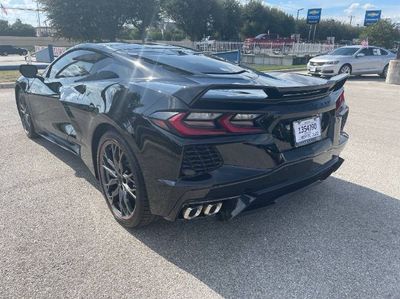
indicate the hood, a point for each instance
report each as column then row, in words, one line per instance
column 328, row 58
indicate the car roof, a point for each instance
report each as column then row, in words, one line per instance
column 132, row 49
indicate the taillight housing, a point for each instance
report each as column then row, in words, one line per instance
column 340, row 102
column 207, row 123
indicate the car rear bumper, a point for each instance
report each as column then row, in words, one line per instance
column 238, row 190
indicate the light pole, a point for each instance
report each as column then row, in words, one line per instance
column 299, row 10
column 297, row 19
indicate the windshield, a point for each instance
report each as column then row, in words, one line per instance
column 260, row 36
column 344, row 51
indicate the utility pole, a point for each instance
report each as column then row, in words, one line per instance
column 38, row 13
column 351, row 19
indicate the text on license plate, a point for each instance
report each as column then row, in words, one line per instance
column 307, row 130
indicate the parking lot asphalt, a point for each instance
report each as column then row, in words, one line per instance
column 336, row 239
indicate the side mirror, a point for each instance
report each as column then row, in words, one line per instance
column 28, row 70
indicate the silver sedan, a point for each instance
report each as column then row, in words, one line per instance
column 353, row 60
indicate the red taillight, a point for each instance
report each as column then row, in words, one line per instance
column 238, row 126
column 187, row 129
column 340, row 101
column 203, row 124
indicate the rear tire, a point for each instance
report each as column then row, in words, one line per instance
column 384, row 72
column 122, row 182
column 345, row 69
column 26, row 116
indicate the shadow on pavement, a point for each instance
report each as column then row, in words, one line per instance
column 374, row 78
column 335, row 239
column 70, row 159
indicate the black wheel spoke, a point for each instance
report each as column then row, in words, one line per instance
column 118, row 179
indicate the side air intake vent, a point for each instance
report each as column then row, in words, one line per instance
column 200, row 159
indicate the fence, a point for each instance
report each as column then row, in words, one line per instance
column 271, row 48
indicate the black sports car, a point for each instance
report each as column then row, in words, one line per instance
column 174, row 133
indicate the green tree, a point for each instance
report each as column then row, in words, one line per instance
column 4, row 28
column 85, row 20
column 194, row 17
column 21, row 29
column 227, row 19
column 259, row 18
column 142, row 14
column 325, row 28
column 382, row 34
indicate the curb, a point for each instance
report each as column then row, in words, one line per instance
column 288, row 70
column 5, row 85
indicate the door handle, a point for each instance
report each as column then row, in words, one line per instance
column 81, row 88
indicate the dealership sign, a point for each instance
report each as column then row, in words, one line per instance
column 372, row 17
column 314, row 15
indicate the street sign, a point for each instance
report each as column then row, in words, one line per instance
column 314, row 15
column 372, row 17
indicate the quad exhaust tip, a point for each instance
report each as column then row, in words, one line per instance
column 212, row 209
column 192, row 212
column 208, row 210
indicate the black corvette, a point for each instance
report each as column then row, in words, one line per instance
column 174, row 133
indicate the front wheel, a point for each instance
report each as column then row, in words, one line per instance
column 345, row 69
column 384, row 73
column 122, row 181
column 26, row 116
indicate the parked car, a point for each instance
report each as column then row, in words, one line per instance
column 206, row 44
column 268, row 42
column 5, row 50
column 174, row 133
column 352, row 60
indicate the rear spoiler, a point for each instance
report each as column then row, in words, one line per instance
column 190, row 95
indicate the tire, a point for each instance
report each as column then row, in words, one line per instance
column 345, row 69
column 26, row 116
column 122, row 182
column 384, row 72
column 23, row 53
column 5, row 53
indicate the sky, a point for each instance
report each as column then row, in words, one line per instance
column 337, row 9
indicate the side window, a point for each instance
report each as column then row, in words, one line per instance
column 74, row 64
column 383, row 52
column 367, row 52
column 110, row 66
column 376, row 51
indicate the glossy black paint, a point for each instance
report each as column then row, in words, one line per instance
column 126, row 84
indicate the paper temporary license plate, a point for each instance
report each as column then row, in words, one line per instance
column 307, row 130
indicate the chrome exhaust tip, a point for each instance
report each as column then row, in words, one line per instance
column 212, row 208
column 192, row 212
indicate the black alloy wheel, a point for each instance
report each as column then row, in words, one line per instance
column 26, row 117
column 121, row 181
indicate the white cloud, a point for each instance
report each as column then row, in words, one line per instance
column 368, row 6
column 352, row 8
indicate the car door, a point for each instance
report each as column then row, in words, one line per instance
column 383, row 59
column 363, row 62
column 377, row 62
column 59, row 86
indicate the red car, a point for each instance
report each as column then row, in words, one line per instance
column 266, row 41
